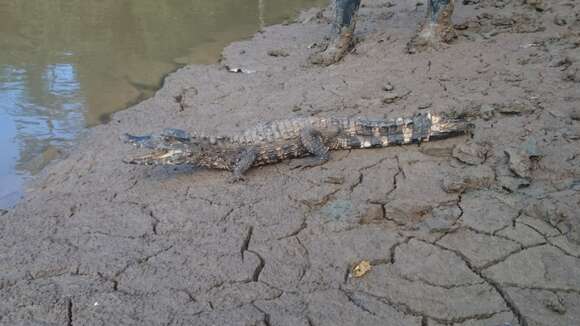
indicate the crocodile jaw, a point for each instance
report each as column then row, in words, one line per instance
column 162, row 157
column 172, row 147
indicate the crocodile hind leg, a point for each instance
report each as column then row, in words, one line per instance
column 243, row 163
column 437, row 28
column 313, row 142
column 342, row 30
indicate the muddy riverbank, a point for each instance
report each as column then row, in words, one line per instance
column 467, row 231
column 60, row 75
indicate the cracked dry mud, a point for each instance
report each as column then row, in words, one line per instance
column 454, row 236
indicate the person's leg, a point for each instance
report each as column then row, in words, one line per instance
column 342, row 32
column 437, row 27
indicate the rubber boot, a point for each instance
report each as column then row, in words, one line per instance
column 342, row 31
column 437, row 28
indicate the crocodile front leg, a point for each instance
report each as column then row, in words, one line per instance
column 313, row 142
column 243, row 163
column 437, row 27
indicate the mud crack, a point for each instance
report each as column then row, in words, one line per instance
column 246, row 242
column 296, row 232
column 307, row 256
column 357, row 303
column 138, row 261
column 408, row 310
column 502, row 293
column 266, row 319
column 400, row 171
column 69, row 312
column 154, row 223
column 259, row 268
column 361, row 176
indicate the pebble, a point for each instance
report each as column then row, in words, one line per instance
column 560, row 20
column 487, row 112
column 278, row 53
column 388, row 87
column 555, row 304
column 537, row 4
column 513, row 108
column 531, row 147
column 572, row 74
column 392, row 98
column 575, row 114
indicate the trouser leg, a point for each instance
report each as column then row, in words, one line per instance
column 345, row 13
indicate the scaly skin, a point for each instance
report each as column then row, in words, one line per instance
column 279, row 140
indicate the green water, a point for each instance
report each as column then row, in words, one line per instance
column 68, row 64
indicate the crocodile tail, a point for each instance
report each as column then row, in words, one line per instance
column 399, row 131
column 416, row 129
column 446, row 125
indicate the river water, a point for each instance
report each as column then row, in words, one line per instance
column 66, row 65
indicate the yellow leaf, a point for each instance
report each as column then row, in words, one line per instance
column 361, row 269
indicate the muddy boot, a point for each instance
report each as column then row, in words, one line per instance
column 343, row 30
column 336, row 49
column 437, row 28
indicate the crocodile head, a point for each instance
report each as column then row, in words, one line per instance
column 171, row 147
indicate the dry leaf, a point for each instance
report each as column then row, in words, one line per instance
column 361, row 269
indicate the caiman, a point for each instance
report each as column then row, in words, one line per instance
column 278, row 140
